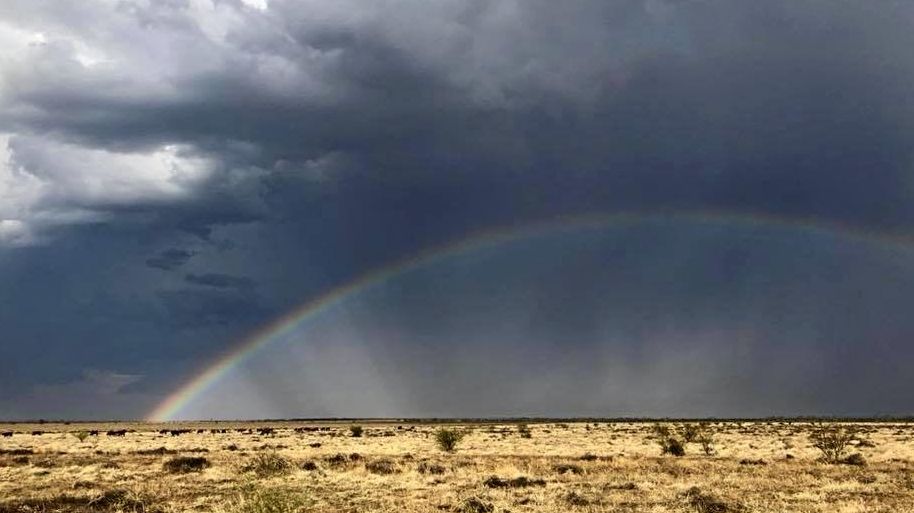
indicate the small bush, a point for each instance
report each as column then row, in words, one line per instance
column 185, row 464
column 747, row 461
column 524, row 431
column 563, row 468
column 342, row 460
column 81, row 435
column 707, row 503
column 356, row 431
column 517, row 482
column 706, row 440
column 430, row 468
column 669, row 443
column 575, row 499
column 856, row 459
column 270, row 500
column 832, row 442
column 475, row 505
column 382, row 467
column 268, row 464
column 690, row 433
column 309, row 466
column 447, row 439
column 672, row 446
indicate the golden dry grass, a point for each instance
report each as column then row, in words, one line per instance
column 758, row 467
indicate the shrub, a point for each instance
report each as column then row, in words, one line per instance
column 268, row 464
column 690, row 432
column 81, row 435
column 524, row 431
column 447, row 439
column 383, row 467
column 185, row 464
column 563, row 468
column 706, row 440
column 831, row 441
column 575, row 499
column 355, row 431
column 517, row 482
column 270, row 500
column 475, row 505
column 669, row 444
column 672, row 446
column 430, row 468
column 856, row 459
column 337, row 459
column 708, row 503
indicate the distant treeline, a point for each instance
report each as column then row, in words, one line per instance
column 498, row 420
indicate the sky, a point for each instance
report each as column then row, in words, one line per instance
column 520, row 207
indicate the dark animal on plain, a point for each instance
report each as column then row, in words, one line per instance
column 116, row 432
column 37, row 433
column 266, row 431
column 94, row 432
column 7, row 434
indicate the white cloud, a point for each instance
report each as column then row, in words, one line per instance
column 44, row 182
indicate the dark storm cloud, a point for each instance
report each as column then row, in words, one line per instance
column 220, row 281
column 303, row 144
column 170, row 259
column 195, row 308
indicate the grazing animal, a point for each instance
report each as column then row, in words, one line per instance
column 116, row 432
column 7, row 434
column 37, row 433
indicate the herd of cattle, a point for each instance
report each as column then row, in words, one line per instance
column 179, row 432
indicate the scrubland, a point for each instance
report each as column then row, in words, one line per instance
column 277, row 467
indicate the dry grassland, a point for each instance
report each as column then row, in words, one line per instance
column 763, row 467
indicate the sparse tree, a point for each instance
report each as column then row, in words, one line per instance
column 706, row 439
column 832, row 441
column 447, row 439
column 669, row 443
column 524, row 431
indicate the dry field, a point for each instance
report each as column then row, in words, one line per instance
column 577, row 467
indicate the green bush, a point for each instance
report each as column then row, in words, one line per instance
column 355, row 431
column 447, row 439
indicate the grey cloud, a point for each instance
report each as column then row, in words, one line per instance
column 170, row 259
column 326, row 139
column 196, row 308
column 220, row 281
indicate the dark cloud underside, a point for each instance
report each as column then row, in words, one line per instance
column 174, row 175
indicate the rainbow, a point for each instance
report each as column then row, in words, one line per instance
column 172, row 405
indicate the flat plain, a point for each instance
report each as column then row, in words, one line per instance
column 286, row 466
